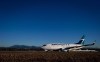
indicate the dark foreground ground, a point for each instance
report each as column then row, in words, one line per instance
column 33, row 56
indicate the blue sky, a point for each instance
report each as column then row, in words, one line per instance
column 36, row 22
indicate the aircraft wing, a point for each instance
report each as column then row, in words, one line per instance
column 79, row 47
column 72, row 47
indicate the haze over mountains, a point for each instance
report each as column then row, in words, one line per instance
column 23, row 46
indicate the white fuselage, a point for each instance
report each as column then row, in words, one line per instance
column 59, row 46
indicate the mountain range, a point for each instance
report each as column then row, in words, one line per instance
column 24, row 47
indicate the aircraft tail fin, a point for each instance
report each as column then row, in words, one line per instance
column 93, row 42
column 81, row 41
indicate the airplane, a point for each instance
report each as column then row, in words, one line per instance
column 66, row 47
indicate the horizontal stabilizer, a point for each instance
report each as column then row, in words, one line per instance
column 90, row 44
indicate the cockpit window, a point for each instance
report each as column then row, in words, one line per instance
column 44, row 45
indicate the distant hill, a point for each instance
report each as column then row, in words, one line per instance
column 24, row 47
column 21, row 48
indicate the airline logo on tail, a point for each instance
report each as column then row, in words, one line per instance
column 81, row 41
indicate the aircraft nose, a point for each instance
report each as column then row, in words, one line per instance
column 44, row 46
